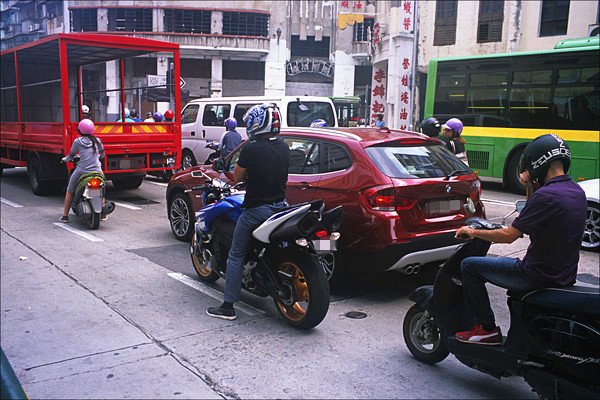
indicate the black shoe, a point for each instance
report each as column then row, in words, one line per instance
column 220, row 312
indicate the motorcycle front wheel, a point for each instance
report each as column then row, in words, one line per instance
column 422, row 337
column 202, row 258
column 305, row 298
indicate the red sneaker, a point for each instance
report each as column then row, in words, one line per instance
column 478, row 335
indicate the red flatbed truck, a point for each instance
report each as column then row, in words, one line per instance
column 44, row 85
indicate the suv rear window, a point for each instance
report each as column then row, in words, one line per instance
column 431, row 161
column 297, row 115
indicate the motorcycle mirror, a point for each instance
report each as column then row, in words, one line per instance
column 219, row 165
column 520, row 205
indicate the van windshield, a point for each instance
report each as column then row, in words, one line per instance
column 298, row 115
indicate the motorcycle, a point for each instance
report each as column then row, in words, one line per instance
column 212, row 156
column 554, row 336
column 285, row 259
column 88, row 199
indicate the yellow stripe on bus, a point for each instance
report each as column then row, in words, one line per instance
column 568, row 135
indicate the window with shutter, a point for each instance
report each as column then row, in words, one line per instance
column 491, row 17
column 555, row 17
column 445, row 22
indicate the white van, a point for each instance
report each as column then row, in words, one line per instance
column 203, row 119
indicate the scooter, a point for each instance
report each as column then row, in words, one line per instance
column 214, row 155
column 88, row 200
column 285, row 257
column 554, row 336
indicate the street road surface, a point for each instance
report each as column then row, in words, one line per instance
column 118, row 313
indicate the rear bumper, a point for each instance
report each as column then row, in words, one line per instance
column 421, row 251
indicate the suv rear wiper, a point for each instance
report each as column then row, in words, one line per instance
column 455, row 172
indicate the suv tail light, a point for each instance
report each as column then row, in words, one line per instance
column 386, row 199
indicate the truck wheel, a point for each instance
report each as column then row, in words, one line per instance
column 512, row 174
column 133, row 182
column 34, row 171
column 187, row 160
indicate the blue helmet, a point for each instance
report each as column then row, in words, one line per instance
column 262, row 119
column 318, row 123
column 230, row 124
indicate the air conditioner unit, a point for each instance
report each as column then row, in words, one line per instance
column 594, row 30
column 34, row 27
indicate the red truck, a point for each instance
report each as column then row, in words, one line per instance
column 46, row 84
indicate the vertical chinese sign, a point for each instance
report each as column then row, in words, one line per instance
column 378, row 93
column 405, row 60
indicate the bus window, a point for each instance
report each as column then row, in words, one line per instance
column 578, row 107
column 530, row 107
column 532, row 77
column 488, row 101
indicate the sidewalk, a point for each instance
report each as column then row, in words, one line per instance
column 65, row 342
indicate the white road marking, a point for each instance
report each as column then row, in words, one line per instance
column 157, row 183
column 10, row 203
column 499, row 202
column 126, row 205
column 84, row 235
column 215, row 294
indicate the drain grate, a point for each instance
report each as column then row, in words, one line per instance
column 356, row 314
column 138, row 200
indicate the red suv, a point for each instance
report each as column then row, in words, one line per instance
column 403, row 193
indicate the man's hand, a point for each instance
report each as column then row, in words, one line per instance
column 530, row 186
column 464, row 231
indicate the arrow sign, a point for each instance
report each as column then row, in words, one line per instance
column 181, row 82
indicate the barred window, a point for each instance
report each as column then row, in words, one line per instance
column 361, row 31
column 245, row 24
column 445, row 22
column 187, row 21
column 491, row 17
column 84, row 20
column 130, row 19
column 555, row 17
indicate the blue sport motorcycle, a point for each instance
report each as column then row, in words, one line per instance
column 288, row 256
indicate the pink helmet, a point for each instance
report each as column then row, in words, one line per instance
column 86, row 127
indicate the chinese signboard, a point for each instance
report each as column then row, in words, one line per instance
column 350, row 12
column 378, row 93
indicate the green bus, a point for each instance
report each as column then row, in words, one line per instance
column 506, row 100
column 350, row 110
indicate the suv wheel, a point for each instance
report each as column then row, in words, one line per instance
column 181, row 217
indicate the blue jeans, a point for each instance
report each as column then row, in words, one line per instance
column 242, row 237
column 501, row 271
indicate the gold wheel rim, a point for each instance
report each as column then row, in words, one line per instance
column 202, row 269
column 296, row 311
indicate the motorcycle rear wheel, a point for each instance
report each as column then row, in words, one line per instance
column 94, row 221
column 202, row 265
column 422, row 336
column 305, row 300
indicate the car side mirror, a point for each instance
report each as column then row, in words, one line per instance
column 219, row 165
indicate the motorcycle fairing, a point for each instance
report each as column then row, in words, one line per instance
column 95, row 202
column 206, row 215
column 263, row 232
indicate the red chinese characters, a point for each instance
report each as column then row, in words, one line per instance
column 405, row 63
column 406, row 23
column 379, row 75
column 377, row 107
column 378, row 90
column 407, row 5
column 345, row 4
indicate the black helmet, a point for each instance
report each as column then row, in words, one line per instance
column 430, row 127
column 540, row 152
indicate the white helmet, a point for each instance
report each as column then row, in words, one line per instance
column 85, row 109
column 262, row 119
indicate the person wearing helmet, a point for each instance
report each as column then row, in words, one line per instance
column 169, row 115
column 90, row 150
column 263, row 164
column 229, row 140
column 430, row 127
column 157, row 117
column 318, row 123
column 554, row 218
column 85, row 112
column 149, row 117
column 454, row 142
column 127, row 119
column 134, row 115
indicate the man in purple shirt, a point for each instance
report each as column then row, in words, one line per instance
column 553, row 217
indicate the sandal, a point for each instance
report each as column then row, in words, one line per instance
column 64, row 219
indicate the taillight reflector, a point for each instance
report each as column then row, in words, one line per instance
column 321, row 233
column 95, row 183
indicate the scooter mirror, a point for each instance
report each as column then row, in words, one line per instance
column 520, row 205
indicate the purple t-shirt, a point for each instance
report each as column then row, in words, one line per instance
column 554, row 218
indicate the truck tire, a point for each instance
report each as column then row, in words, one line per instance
column 511, row 179
column 39, row 186
column 132, row 182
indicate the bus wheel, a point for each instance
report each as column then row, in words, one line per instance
column 511, row 179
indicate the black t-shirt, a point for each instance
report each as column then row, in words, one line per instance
column 455, row 146
column 267, row 162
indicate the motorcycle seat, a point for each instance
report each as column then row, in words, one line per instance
column 579, row 299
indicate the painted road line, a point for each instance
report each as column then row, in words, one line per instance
column 126, row 205
column 84, row 235
column 499, row 202
column 157, row 183
column 215, row 294
column 10, row 203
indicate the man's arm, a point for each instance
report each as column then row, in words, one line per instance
column 239, row 173
column 503, row 235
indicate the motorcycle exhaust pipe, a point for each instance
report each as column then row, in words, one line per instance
column 108, row 208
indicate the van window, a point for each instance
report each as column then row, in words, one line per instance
column 240, row 111
column 303, row 116
column 215, row 114
column 190, row 113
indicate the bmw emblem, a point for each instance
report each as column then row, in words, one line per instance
column 448, row 189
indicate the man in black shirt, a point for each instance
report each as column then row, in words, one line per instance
column 264, row 164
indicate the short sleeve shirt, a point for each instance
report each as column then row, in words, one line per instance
column 267, row 162
column 554, row 218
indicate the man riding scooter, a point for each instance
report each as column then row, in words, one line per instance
column 554, row 218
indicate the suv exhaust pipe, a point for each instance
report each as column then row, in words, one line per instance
column 412, row 269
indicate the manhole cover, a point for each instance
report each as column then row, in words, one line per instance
column 138, row 200
column 356, row 314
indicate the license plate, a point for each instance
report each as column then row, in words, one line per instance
column 324, row 245
column 125, row 164
column 94, row 192
column 440, row 207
